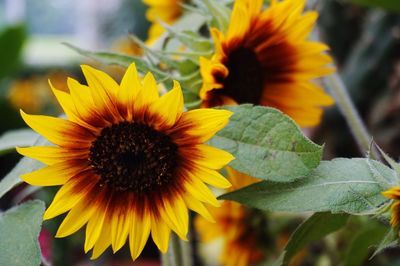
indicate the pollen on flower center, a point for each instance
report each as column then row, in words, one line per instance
column 133, row 157
column 244, row 82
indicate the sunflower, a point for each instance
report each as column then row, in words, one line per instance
column 265, row 58
column 394, row 194
column 32, row 94
column 167, row 11
column 130, row 163
column 242, row 229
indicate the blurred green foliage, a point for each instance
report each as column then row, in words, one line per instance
column 390, row 5
column 11, row 42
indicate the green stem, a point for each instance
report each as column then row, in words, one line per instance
column 165, row 259
column 176, row 250
column 174, row 254
column 346, row 106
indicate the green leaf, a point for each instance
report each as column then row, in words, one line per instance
column 11, row 43
column 219, row 13
column 267, row 144
column 341, row 185
column 390, row 5
column 190, row 21
column 25, row 165
column 392, row 163
column 19, row 232
column 190, row 39
column 17, row 138
column 314, row 228
column 390, row 240
column 368, row 236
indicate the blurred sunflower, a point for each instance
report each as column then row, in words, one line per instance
column 32, row 93
column 265, row 58
column 394, row 194
column 167, row 11
column 126, row 45
column 242, row 229
column 130, row 163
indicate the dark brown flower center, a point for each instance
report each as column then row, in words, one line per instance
column 133, row 157
column 244, row 83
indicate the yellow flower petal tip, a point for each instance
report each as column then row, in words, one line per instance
column 111, row 156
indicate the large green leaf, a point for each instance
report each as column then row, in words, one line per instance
column 17, row 138
column 11, row 43
column 341, row 185
column 390, row 5
column 314, row 228
column 267, row 144
column 19, row 232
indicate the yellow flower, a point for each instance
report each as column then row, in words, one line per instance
column 394, row 194
column 130, row 162
column 167, row 11
column 265, row 58
column 127, row 46
column 241, row 228
column 32, row 93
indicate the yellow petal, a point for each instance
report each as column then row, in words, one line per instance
column 54, row 175
column 211, row 177
column 68, row 105
column 129, row 88
column 103, row 90
column 66, row 102
column 395, row 212
column 211, row 157
column 204, row 123
column 201, row 192
column 160, row 233
column 140, row 230
column 120, row 227
column 218, row 37
column 392, row 193
column 148, row 94
column 67, row 196
column 60, row 132
column 255, row 7
column 198, row 207
column 170, row 106
column 94, row 228
column 239, row 22
column 52, row 155
column 75, row 219
column 150, row 85
column 239, row 179
column 176, row 216
column 84, row 104
column 103, row 242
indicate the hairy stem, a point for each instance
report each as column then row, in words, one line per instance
column 353, row 119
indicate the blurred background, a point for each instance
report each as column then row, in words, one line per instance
column 365, row 43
